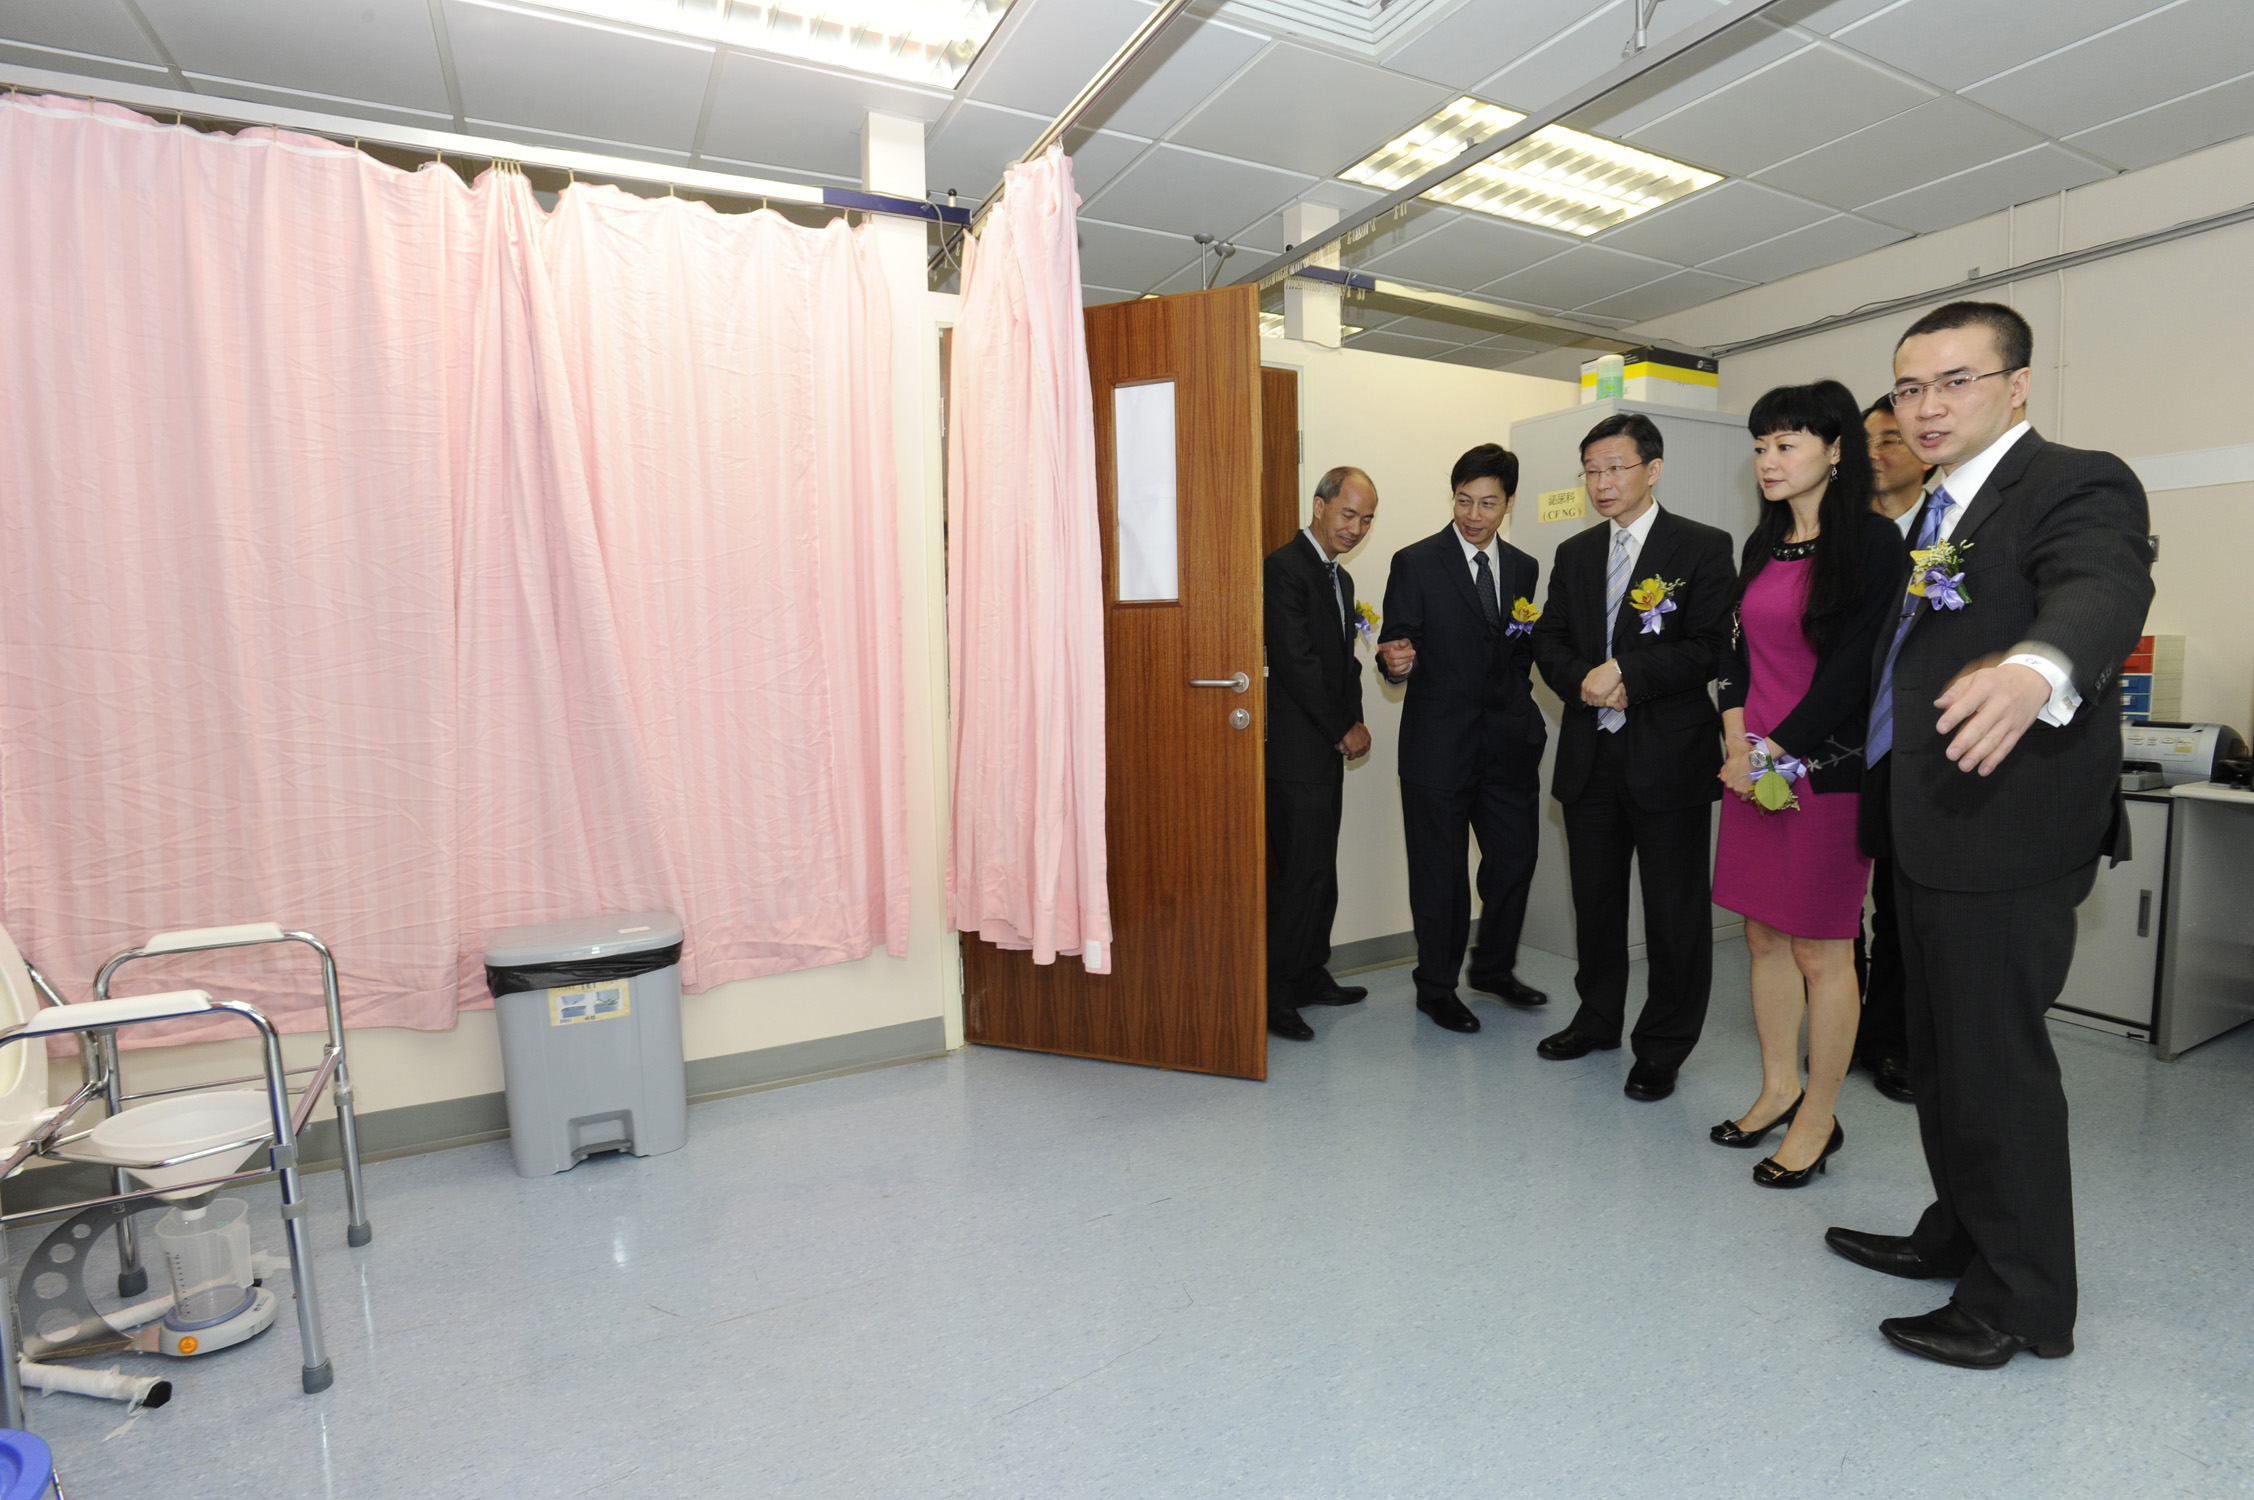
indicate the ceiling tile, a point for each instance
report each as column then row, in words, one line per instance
column 1585, row 51
column 632, row 151
column 1957, row 42
column 380, row 50
column 1116, row 255
column 1697, row 73
column 1189, row 192
column 1823, row 244
column 1265, row 113
column 2046, row 169
column 1379, row 341
column 1096, row 296
column 1488, row 356
column 1471, row 251
column 2167, row 53
column 1825, row 17
column 1668, row 295
column 968, row 152
column 1713, row 221
column 2221, row 113
column 1939, row 137
column 807, row 119
column 1098, row 156
column 1789, row 107
column 1052, row 48
column 235, row 88
column 94, row 28
column 1580, row 276
column 552, row 74
column 1268, row 233
column 1187, row 63
column 1482, row 37
column 85, row 66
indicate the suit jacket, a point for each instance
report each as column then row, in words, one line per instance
column 2054, row 555
column 1674, row 731
column 1470, row 682
column 1828, row 725
column 1314, row 678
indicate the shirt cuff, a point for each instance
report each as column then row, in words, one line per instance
column 2064, row 701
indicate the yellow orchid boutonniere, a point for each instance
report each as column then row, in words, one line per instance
column 1937, row 574
column 1523, row 614
column 1654, row 598
column 1365, row 621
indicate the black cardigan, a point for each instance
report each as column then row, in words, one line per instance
column 1827, row 727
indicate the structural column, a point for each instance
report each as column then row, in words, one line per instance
column 1311, row 308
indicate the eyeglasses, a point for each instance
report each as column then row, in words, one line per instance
column 1611, row 475
column 1947, row 388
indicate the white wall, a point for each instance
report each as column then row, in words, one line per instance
column 1405, row 421
column 2141, row 355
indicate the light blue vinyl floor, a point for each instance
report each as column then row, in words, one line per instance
column 1410, row 1264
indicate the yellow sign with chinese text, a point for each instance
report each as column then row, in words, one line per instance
column 1564, row 505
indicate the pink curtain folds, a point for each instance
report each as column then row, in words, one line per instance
column 1025, row 587
column 333, row 592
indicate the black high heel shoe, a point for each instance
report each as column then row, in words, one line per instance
column 1727, row 1133
column 1767, row 1172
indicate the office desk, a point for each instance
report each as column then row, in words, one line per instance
column 2207, row 943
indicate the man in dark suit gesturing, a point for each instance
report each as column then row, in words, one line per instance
column 1458, row 607
column 1994, row 785
column 1314, row 728
column 1637, row 619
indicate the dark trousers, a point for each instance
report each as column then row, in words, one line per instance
column 1302, row 885
column 1500, row 811
column 1878, row 968
column 1604, row 829
column 1982, row 967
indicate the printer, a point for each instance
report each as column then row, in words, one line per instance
column 2159, row 754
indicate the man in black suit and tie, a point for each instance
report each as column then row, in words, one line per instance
column 1314, row 728
column 1636, row 623
column 1458, row 609
column 1994, row 785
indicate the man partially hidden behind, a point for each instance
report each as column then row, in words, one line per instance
column 1314, row 728
column 1637, row 620
column 1457, row 628
column 1994, row 784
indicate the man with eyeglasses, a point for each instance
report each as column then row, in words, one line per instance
column 1637, row 619
column 1994, row 785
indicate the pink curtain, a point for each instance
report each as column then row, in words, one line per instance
column 1025, row 587
column 332, row 592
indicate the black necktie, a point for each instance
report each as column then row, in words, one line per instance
column 1484, row 586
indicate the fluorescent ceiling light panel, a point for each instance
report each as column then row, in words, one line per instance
column 1557, row 178
column 918, row 41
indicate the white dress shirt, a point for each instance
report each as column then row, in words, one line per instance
column 1336, row 592
column 1963, row 484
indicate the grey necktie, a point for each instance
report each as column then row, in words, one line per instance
column 1483, row 584
column 1615, row 589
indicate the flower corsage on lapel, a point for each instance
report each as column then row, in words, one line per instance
column 1937, row 574
column 1365, row 622
column 1774, row 777
column 1523, row 614
column 1654, row 599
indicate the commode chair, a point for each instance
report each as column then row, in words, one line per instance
column 182, row 1145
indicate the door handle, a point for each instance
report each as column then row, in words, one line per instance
column 1239, row 683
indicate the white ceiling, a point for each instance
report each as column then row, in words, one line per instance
column 1843, row 124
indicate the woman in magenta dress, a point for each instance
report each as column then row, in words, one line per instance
column 1816, row 586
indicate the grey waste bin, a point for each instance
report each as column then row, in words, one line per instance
column 590, row 1016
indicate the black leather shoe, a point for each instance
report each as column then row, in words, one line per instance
column 1283, row 1021
column 1728, row 1134
column 1448, row 1013
column 1648, row 1083
column 1508, row 988
column 1769, row 1172
column 1334, row 993
column 1955, row 1337
column 1890, row 1253
column 1568, row 1044
column 1891, row 1077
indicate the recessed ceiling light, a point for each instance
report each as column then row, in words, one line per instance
column 920, row 41
column 1557, row 178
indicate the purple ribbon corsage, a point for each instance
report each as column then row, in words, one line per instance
column 1938, row 574
column 1653, row 599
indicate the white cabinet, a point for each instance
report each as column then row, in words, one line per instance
column 2115, row 979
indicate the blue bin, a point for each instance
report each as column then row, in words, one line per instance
column 27, row 1467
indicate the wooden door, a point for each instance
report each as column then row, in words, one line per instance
column 1184, row 813
column 1279, row 457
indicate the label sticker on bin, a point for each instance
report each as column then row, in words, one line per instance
column 599, row 1002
